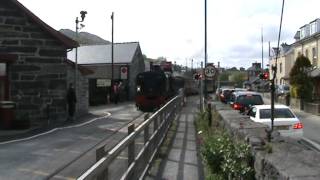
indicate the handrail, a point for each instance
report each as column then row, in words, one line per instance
column 166, row 114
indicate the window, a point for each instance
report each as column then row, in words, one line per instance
column 314, row 57
column 313, row 28
column 3, row 69
column 302, row 33
column 280, row 69
column 3, row 79
column 278, row 113
column 307, row 53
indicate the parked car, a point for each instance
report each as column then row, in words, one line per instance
column 245, row 99
column 225, row 95
column 282, row 90
column 285, row 121
column 234, row 94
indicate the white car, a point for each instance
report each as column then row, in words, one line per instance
column 285, row 121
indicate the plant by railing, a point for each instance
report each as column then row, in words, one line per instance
column 225, row 159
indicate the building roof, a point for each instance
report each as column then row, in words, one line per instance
column 101, row 54
column 66, row 41
column 82, row 69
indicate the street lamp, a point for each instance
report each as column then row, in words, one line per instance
column 83, row 15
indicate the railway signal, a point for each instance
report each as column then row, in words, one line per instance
column 264, row 76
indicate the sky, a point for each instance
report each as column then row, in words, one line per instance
column 174, row 29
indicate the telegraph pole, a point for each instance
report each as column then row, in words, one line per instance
column 205, row 45
column 274, row 70
column 112, row 56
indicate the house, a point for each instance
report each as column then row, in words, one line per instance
column 34, row 71
column 307, row 40
column 127, row 63
column 285, row 62
column 253, row 82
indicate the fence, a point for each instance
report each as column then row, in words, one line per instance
column 153, row 131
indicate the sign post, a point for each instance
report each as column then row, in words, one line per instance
column 210, row 71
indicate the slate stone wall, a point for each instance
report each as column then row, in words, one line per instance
column 38, row 79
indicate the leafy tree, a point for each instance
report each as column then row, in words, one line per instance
column 301, row 84
column 238, row 78
column 224, row 76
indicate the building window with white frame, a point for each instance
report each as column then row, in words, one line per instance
column 280, row 69
column 307, row 53
column 313, row 27
column 314, row 57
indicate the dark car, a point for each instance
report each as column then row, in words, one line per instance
column 244, row 100
column 225, row 95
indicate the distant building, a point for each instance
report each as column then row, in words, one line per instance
column 128, row 62
column 34, row 70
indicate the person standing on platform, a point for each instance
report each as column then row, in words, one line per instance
column 71, row 100
column 116, row 92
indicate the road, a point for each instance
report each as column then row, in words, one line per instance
column 54, row 155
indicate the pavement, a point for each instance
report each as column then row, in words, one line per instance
column 94, row 112
column 179, row 157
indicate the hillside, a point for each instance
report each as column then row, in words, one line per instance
column 85, row 38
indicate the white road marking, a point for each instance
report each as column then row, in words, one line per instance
column 53, row 130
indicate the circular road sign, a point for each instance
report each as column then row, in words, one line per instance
column 210, row 71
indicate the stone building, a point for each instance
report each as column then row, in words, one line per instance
column 34, row 70
column 128, row 62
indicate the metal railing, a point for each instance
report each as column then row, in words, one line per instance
column 153, row 131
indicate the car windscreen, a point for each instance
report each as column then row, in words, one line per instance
column 250, row 100
column 286, row 88
column 278, row 113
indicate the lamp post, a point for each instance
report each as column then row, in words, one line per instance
column 83, row 15
column 112, row 55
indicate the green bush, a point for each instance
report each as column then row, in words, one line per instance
column 224, row 158
column 299, row 80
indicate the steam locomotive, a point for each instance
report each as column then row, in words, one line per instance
column 155, row 88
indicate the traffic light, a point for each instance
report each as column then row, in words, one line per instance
column 197, row 76
column 264, row 76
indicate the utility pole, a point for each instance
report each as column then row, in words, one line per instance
column 201, row 90
column 112, row 56
column 83, row 15
column 274, row 70
column 205, row 45
column 262, row 49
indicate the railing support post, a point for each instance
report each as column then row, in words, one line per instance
column 209, row 115
column 100, row 153
column 131, row 149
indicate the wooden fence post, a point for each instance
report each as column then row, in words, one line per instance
column 131, row 148
column 100, row 153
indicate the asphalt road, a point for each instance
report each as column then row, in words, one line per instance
column 67, row 152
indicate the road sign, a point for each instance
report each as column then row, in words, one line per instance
column 210, row 71
column 123, row 72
